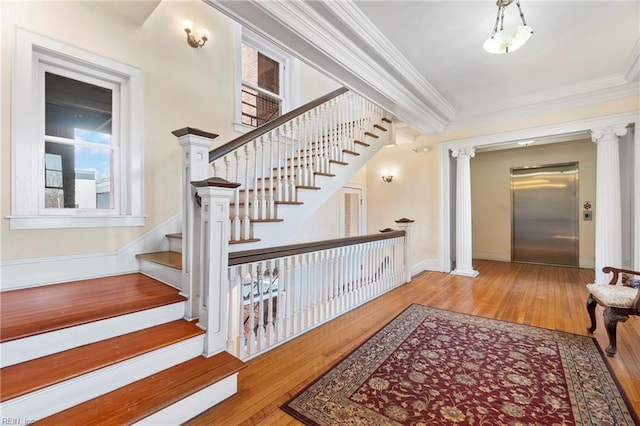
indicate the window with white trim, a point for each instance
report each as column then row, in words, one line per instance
column 264, row 83
column 76, row 138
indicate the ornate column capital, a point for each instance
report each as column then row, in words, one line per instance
column 605, row 133
column 463, row 152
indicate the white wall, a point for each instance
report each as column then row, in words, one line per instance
column 413, row 193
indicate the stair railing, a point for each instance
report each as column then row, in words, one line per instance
column 279, row 293
column 268, row 165
column 272, row 161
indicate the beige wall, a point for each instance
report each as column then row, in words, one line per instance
column 491, row 194
column 414, row 193
column 182, row 87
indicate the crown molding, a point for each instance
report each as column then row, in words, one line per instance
column 290, row 23
column 594, row 91
column 336, row 38
column 631, row 68
column 362, row 26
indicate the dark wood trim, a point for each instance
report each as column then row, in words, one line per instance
column 405, row 220
column 248, row 256
column 215, row 181
column 193, row 131
column 265, row 128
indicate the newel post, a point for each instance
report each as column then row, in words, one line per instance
column 404, row 224
column 212, row 264
column 195, row 167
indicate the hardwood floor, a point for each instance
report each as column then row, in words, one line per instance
column 543, row 296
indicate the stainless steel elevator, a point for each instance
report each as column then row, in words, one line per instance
column 545, row 214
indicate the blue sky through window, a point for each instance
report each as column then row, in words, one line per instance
column 96, row 157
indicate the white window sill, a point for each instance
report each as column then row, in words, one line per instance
column 54, row 222
column 242, row 128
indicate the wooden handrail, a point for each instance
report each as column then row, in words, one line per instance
column 248, row 256
column 214, row 154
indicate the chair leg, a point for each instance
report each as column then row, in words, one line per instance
column 591, row 309
column 611, row 319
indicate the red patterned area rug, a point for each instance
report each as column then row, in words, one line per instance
column 435, row 367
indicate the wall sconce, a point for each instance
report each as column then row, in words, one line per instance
column 194, row 42
column 387, row 178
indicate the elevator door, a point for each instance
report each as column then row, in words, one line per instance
column 545, row 214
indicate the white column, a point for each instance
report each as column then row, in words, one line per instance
column 195, row 167
column 404, row 224
column 213, row 261
column 463, row 212
column 608, row 211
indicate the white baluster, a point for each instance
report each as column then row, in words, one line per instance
column 300, row 154
column 235, row 222
column 261, row 299
column 285, row 293
column 268, row 176
column 242, row 338
column 255, row 205
column 246, row 219
column 262, row 173
column 233, row 331
column 296, row 296
column 293, row 157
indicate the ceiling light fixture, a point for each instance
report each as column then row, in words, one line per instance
column 508, row 39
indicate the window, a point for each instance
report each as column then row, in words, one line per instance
column 261, row 99
column 264, row 81
column 77, row 138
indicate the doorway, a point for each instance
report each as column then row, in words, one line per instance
column 352, row 223
column 545, row 214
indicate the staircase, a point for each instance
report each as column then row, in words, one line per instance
column 110, row 350
column 117, row 350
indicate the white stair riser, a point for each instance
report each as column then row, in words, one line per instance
column 175, row 245
column 195, row 404
column 58, row 397
column 162, row 273
column 20, row 350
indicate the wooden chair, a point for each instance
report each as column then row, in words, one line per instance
column 618, row 299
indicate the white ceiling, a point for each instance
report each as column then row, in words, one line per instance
column 575, row 43
column 424, row 62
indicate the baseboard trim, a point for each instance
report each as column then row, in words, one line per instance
column 425, row 265
column 25, row 273
column 491, row 255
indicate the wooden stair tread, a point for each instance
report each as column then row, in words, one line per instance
column 361, row 143
column 29, row 376
column 176, row 235
column 275, row 189
column 32, row 311
column 171, row 259
column 373, row 135
column 288, row 203
column 140, row 399
column 342, row 163
column 379, row 127
column 385, row 119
